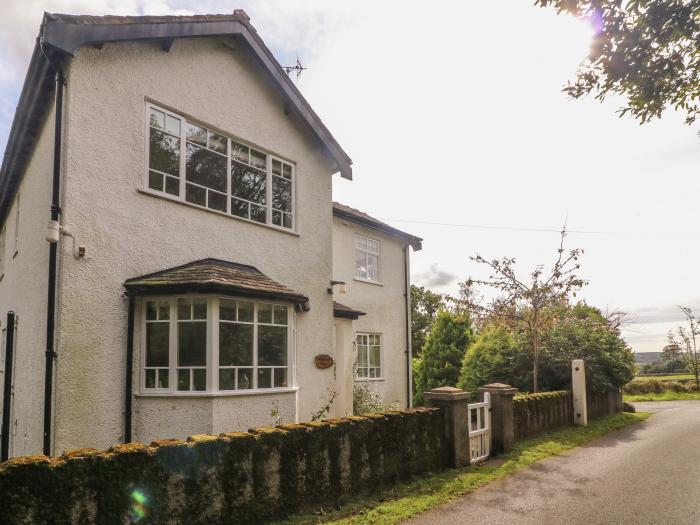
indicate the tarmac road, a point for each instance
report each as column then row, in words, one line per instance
column 646, row 473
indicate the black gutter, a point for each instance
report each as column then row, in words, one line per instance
column 7, row 390
column 129, row 371
column 53, row 256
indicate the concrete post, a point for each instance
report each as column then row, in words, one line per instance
column 578, row 386
column 455, row 403
column 502, row 429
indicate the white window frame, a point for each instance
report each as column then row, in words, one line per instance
column 367, row 252
column 380, row 376
column 212, row 348
column 270, row 156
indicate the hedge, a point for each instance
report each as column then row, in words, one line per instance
column 239, row 477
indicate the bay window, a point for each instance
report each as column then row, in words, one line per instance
column 213, row 344
column 189, row 162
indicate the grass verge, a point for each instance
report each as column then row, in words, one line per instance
column 408, row 499
column 666, row 395
column 672, row 377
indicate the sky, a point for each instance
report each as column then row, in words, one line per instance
column 459, row 133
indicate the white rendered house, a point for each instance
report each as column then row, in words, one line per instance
column 192, row 246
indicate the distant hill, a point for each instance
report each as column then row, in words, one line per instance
column 646, row 357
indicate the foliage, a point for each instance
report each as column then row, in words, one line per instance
column 444, row 349
column 396, row 504
column 529, row 306
column 663, row 366
column 659, row 387
column 683, row 344
column 647, row 51
column 666, row 395
column 326, row 404
column 365, row 400
column 425, row 306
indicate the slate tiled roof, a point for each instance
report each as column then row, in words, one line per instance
column 345, row 312
column 346, row 212
column 213, row 276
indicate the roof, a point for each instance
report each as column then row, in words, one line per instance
column 351, row 214
column 60, row 36
column 213, row 276
column 345, row 312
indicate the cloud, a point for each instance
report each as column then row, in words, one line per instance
column 434, row 277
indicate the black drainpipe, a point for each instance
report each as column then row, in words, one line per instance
column 7, row 390
column 129, row 371
column 51, row 309
column 409, row 364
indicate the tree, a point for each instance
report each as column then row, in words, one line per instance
column 531, row 304
column 441, row 360
column 683, row 343
column 647, row 51
column 425, row 306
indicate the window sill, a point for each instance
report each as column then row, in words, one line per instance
column 376, row 283
column 267, row 391
column 159, row 195
column 368, row 379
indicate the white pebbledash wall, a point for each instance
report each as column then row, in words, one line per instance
column 128, row 233
column 384, row 303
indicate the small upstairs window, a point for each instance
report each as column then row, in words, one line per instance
column 366, row 258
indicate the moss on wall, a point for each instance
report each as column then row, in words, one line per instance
column 238, row 477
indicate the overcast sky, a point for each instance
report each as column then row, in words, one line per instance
column 454, row 117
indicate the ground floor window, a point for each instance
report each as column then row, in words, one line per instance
column 369, row 356
column 214, row 344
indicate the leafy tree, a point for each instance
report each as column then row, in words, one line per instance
column 683, row 343
column 529, row 306
column 425, row 306
column 441, row 360
column 647, row 51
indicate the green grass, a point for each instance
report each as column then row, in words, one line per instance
column 675, row 377
column 408, row 499
column 666, row 395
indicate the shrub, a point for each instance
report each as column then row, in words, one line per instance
column 367, row 401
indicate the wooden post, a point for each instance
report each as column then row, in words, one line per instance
column 578, row 386
column 455, row 403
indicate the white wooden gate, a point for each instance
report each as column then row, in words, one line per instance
column 480, row 429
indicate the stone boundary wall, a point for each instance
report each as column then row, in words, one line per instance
column 600, row 405
column 536, row 413
column 241, row 477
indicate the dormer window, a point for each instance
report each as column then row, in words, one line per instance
column 192, row 163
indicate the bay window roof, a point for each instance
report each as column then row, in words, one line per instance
column 345, row 312
column 214, row 276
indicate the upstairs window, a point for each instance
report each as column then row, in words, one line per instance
column 366, row 258
column 197, row 165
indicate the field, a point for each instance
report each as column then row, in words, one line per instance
column 661, row 377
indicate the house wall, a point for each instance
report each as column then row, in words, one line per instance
column 23, row 289
column 128, row 233
column 384, row 303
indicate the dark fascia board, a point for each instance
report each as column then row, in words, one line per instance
column 347, row 314
column 415, row 242
column 184, row 288
column 69, row 37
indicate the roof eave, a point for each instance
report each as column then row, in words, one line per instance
column 415, row 242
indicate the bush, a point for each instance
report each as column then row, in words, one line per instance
column 655, row 386
column 367, row 401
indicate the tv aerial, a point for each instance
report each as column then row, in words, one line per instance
column 298, row 68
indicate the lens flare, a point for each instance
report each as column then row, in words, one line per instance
column 595, row 19
column 138, row 505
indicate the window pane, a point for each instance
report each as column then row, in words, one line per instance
column 240, row 152
column 183, row 379
column 192, row 344
column 163, row 310
column 276, row 167
column 199, row 379
column 265, row 313
column 157, row 119
column 157, row 344
column 164, row 153
column 151, row 312
column 155, row 180
column 287, row 171
column 372, row 267
column 361, row 372
column 172, row 125
column 258, row 213
column 206, row 168
column 150, row 378
column 280, row 377
column 245, row 312
column 280, row 315
column 200, row 308
column 277, row 218
column 227, row 377
column 196, row 195
column 217, row 201
column 264, row 378
column 184, row 309
column 172, row 185
column 272, row 345
column 217, row 142
column 227, row 310
column 374, row 356
column 245, row 378
column 281, row 194
column 373, row 372
column 287, row 220
column 235, row 344
column 239, row 208
column 361, row 265
column 163, row 378
column 196, row 134
column 258, row 159
column 248, row 183
column 362, row 357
